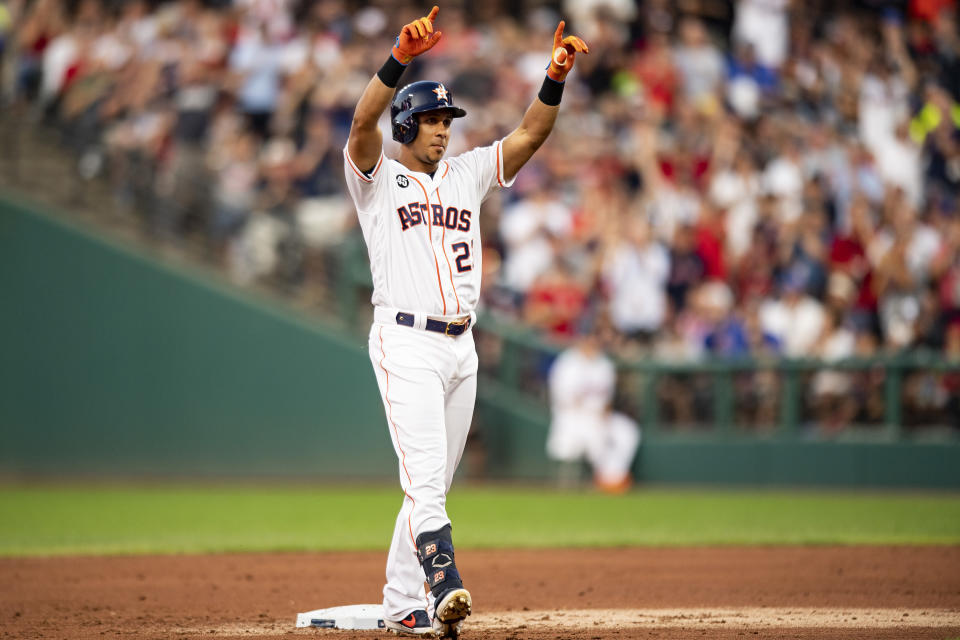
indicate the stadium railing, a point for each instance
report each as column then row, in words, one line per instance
column 715, row 386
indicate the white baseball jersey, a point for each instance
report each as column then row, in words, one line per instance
column 423, row 239
column 422, row 232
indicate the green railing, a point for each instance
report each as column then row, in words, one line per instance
column 521, row 343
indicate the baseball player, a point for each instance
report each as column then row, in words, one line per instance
column 418, row 213
column 582, row 382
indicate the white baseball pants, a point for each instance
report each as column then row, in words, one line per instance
column 428, row 383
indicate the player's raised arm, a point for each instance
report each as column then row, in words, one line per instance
column 365, row 140
column 538, row 121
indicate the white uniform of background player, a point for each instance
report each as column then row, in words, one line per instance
column 418, row 214
column 582, row 383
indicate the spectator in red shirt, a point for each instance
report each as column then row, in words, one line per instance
column 710, row 242
column 556, row 302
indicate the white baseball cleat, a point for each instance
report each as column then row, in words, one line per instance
column 453, row 606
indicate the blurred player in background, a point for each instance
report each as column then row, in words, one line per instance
column 583, row 426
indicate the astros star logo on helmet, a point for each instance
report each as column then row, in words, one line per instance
column 441, row 92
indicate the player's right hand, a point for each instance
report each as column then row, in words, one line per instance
column 565, row 49
column 416, row 37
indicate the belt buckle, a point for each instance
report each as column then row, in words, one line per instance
column 456, row 323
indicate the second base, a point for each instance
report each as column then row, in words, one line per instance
column 354, row 616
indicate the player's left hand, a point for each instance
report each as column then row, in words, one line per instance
column 416, row 37
column 565, row 50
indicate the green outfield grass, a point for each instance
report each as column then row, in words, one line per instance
column 175, row 519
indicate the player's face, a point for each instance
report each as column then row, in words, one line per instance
column 433, row 136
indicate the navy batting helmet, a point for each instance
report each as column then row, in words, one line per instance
column 415, row 98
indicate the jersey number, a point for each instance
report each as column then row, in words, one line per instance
column 462, row 249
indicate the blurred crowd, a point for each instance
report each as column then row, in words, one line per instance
column 752, row 178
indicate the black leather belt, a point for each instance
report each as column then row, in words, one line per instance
column 453, row 328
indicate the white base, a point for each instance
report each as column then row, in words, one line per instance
column 354, row 616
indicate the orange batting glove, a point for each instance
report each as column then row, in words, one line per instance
column 416, row 37
column 564, row 51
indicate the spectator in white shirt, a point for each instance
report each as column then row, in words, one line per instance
column 699, row 61
column 635, row 273
column 764, row 24
column 795, row 320
column 832, row 389
column 527, row 229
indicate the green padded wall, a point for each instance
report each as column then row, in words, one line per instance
column 114, row 363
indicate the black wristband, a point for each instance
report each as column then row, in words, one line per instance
column 550, row 92
column 391, row 71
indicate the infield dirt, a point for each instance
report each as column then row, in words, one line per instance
column 804, row 593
